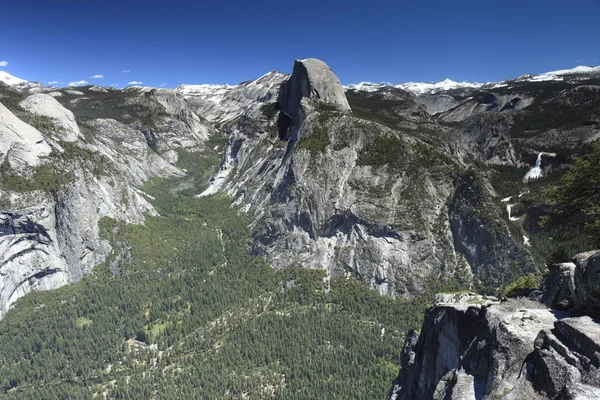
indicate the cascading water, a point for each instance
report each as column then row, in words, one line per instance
column 536, row 171
column 509, row 211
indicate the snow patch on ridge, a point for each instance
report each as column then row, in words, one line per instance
column 559, row 75
column 416, row 87
column 419, row 88
column 10, row 80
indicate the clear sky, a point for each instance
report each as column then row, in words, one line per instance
column 228, row 41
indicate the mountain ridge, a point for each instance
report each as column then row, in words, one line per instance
column 305, row 202
column 210, row 90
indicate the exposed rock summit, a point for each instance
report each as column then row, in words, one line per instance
column 474, row 348
column 21, row 143
column 311, row 78
column 47, row 106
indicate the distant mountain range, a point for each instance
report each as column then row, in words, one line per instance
column 216, row 91
column 418, row 88
column 152, row 205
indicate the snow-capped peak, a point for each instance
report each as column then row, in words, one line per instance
column 433, row 87
column 560, row 74
column 204, row 90
column 226, row 102
column 417, row 87
column 10, row 80
column 366, row 86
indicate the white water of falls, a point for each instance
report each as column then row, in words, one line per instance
column 509, row 210
column 536, row 171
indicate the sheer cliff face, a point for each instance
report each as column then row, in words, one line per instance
column 472, row 348
column 60, row 179
column 388, row 186
column 311, row 79
column 352, row 195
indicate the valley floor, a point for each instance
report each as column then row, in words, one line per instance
column 189, row 314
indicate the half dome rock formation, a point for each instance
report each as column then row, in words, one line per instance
column 311, row 78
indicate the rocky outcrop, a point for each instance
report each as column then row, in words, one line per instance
column 587, row 281
column 574, row 285
column 482, row 236
column 327, row 209
column 486, row 138
column 470, row 348
column 128, row 150
column 311, row 78
column 29, row 252
column 21, row 144
column 345, row 192
column 47, row 106
column 436, row 104
column 565, row 362
column 49, row 238
column 517, row 349
column 222, row 104
column 485, row 102
column 558, row 289
column 172, row 123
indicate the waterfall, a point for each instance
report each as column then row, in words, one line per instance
column 536, row 171
column 509, row 210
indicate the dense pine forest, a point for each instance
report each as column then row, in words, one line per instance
column 180, row 310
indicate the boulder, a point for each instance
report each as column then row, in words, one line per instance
column 565, row 362
column 587, row 280
column 558, row 289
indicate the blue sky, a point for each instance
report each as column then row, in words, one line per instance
column 173, row 42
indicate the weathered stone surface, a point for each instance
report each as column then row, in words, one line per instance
column 322, row 201
column 587, row 280
column 48, row 239
column 486, row 138
column 566, row 361
column 474, row 230
column 47, row 106
column 21, row 143
column 311, row 78
column 224, row 103
column 467, row 350
column 325, row 210
column 558, row 289
column 482, row 103
column 521, row 353
column 29, row 252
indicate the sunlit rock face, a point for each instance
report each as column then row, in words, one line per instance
column 473, row 347
column 47, row 106
column 311, row 78
column 20, row 143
